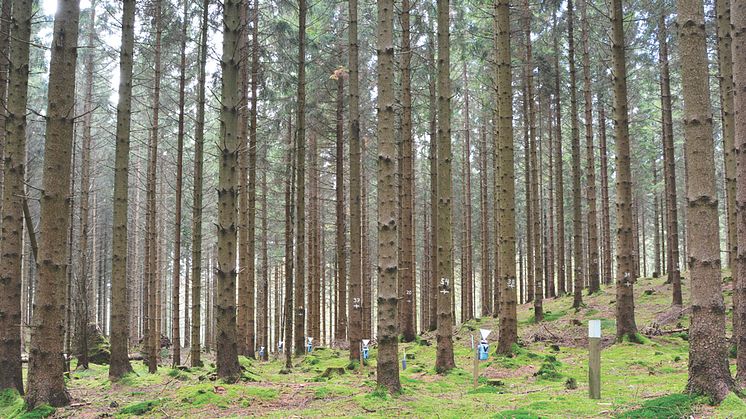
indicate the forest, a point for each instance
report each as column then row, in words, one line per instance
column 418, row 208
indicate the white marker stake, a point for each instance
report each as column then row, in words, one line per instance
column 594, row 359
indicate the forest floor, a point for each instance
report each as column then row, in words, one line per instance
column 547, row 378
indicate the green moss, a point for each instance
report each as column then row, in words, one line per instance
column 731, row 407
column 12, row 406
column 139, row 408
column 548, row 370
column 671, row 406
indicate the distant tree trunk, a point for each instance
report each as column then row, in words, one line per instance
column 559, row 169
column 264, row 308
column 536, row 230
column 340, row 328
column 199, row 139
column 484, row 230
column 354, row 301
column 656, row 225
column 433, row 157
column 151, row 248
column 426, row 267
column 367, row 282
column 444, row 361
column 725, row 66
column 577, row 221
column 251, row 222
column 594, row 282
column 387, row 372
column 300, row 202
column 550, row 261
column 530, row 267
column 508, row 334
column 14, row 171
column 120, row 323
column 227, row 356
column 289, row 259
column 708, row 358
column 738, row 28
column 407, row 322
column 605, row 222
column 176, row 278
column 314, row 271
column 46, row 383
column 86, row 301
column 625, row 305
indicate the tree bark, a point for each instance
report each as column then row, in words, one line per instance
column 484, row 230
column 738, row 30
column 605, row 213
column 407, row 322
column 506, row 282
column 387, row 371
column 625, row 304
column 228, row 147
column 199, row 139
column 300, row 202
column 14, row 171
column 46, row 383
column 340, row 327
column 577, row 219
column 708, row 359
column 559, row 169
column 289, row 227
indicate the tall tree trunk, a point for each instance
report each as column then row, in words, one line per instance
column 5, row 24
column 245, row 275
column 387, row 371
column 605, row 213
column 46, row 383
column 738, row 30
column 340, row 328
column 314, row 273
column 251, row 221
column 625, row 304
column 407, row 324
column 468, row 269
column 425, row 275
column 484, row 230
column 227, row 356
column 367, row 281
column 120, row 324
column 14, row 172
column 530, row 267
column 300, row 203
column 199, row 139
column 355, row 299
column 289, row 227
column 508, row 334
column 656, row 225
column 559, row 169
column 444, row 361
column 708, row 359
column 86, row 301
column 577, row 221
column 550, row 260
column 725, row 66
column 176, row 270
column 264, row 308
column 433, row 157
column 594, row 282
column 536, row 230
column 151, row 247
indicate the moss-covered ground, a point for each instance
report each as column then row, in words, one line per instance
column 546, row 378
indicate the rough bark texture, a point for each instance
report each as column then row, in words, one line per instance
column 289, row 227
column 120, row 364
column 738, row 30
column 340, row 325
column 725, row 65
column 484, row 230
column 433, row 157
column 387, row 371
column 199, row 139
column 251, row 214
column 559, row 173
column 300, row 202
column 577, row 219
column 176, row 269
column 46, row 383
column 355, row 299
column 605, row 213
column 407, row 323
column 244, row 283
column 444, row 361
column 625, row 304
column 594, row 282
column 506, row 249
column 228, row 147
column 708, row 359
column 14, row 170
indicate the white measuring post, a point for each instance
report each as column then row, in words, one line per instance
column 594, row 359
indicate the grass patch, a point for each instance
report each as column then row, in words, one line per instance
column 12, row 406
column 671, row 406
column 516, row 414
column 139, row 408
